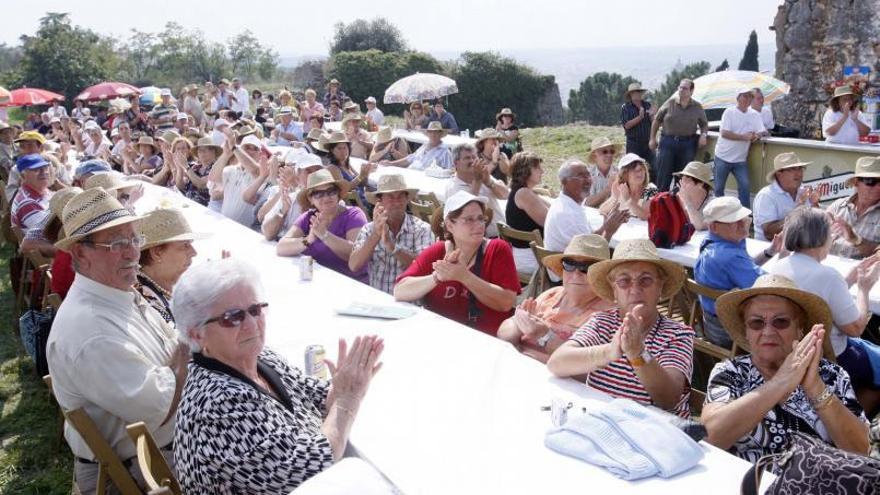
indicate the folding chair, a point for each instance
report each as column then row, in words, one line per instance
column 695, row 321
column 541, row 278
column 157, row 474
column 509, row 234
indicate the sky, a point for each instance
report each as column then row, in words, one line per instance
column 447, row 26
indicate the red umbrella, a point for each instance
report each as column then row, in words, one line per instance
column 107, row 90
column 26, row 97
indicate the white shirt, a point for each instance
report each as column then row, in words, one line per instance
column 772, row 203
column 376, row 116
column 456, row 184
column 425, row 155
column 242, row 100
column 827, row 283
column 235, row 180
column 600, row 182
column 739, row 122
column 565, row 219
column 767, row 117
column 848, row 132
column 108, row 353
column 292, row 214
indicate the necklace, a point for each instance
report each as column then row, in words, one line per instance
column 156, row 285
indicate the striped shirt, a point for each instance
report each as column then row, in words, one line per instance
column 29, row 207
column 414, row 236
column 670, row 343
column 641, row 132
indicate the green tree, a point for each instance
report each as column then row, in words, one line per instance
column 598, row 98
column 750, row 55
column 377, row 34
column 308, row 74
column 724, row 66
column 670, row 85
column 244, row 53
column 373, row 71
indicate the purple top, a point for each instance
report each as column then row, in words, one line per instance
column 351, row 218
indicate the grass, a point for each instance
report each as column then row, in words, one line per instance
column 30, row 460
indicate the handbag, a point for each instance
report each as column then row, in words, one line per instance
column 34, row 327
column 810, row 466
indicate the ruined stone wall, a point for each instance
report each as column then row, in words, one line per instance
column 815, row 39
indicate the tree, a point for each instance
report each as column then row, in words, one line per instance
column 309, row 74
column 750, row 55
column 374, row 71
column 244, row 53
column 360, row 35
column 724, row 66
column 670, row 85
column 598, row 98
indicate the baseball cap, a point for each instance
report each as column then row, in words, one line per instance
column 459, row 199
column 28, row 162
column 726, row 209
column 31, row 136
column 91, row 167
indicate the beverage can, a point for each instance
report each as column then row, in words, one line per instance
column 306, row 267
column 314, row 364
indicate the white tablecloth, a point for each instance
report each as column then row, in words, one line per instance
column 452, row 410
column 451, row 140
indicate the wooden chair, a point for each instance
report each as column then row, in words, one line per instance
column 696, row 401
column 110, row 467
column 541, row 279
column 421, row 210
column 509, row 234
column 157, row 474
column 354, row 199
column 5, row 217
column 430, row 199
column 694, row 319
column 34, row 268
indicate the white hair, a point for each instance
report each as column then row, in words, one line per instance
column 201, row 286
column 567, row 168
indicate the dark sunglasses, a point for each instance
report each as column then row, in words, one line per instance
column 780, row 323
column 571, row 265
column 869, row 181
column 323, row 193
column 233, row 317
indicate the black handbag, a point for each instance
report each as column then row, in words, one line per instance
column 810, row 466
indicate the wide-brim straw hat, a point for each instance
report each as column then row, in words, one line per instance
column 89, row 212
column 320, row 178
column 325, row 142
column 599, row 143
column 244, row 131
column 435, row 126
column 314, row 134
column 816, row 309
column 842, row 91
column 582, row 247
column 633, row 87
column 147, row 141
column 351, row 117
column 784, row 161
column 390, row 183
column 505, row 112
column 384, row 135
column 332, row 82
column 169, row 136
column 167, row 225
column 110, row 181
column 698, row 171
column 52, row 229
column 632, row 251
column 486, row 134
column 207, row 142
column 867, row 167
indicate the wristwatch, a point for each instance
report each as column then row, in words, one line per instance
column 642, row 359
column 543, row 341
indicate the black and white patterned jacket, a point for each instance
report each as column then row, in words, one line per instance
column 233, row 437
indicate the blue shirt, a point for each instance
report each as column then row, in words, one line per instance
column 447, row 121
column 724, row 265
column 295, row 128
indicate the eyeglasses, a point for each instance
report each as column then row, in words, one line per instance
column 869, row 181
column 472, row 220
column 644, row 282
column 233, row 317
column 323, row 193
column 571, row 265
column 779, row 323
column 119, row 245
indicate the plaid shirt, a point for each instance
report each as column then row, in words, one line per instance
column 867, row 226
column 414, row 236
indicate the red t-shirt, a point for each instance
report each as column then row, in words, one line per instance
column 62, row 273
column 450, row 299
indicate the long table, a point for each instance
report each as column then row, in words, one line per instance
column 452, row 410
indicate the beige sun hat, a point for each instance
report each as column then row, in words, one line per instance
column 633, row 87
column 314, row 134
column 817, row 310
column 867, row 167
column 435, row 126
column 167, row 225
column 110, row 182
column 841, row 91
column 725, row 209
column 169, row 136
column 584, row 247
column 92, row 211
column 635, row 250
column 52, row 229
column 356, row 116
column 148, row 141
column 384, row 135
column 599, row 143
column 390, row 183
column 784, row 161
column 505, row 112
column 320, row 178
column 335, row 137
column 207, row 142
column 697, row 170
column 485, row 134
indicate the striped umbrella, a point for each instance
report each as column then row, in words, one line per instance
column 418, row 87
column 150, row 95
column 4, row 95
column 107, row 90
column 27, row 97
column 718, row 89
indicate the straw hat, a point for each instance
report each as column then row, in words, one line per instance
column 866, row 166
column 633, row 87
column 111, row 181
column 816, row 309
column 698, row 171
column 435, row 126
column 351, row 106
column 390, row 183
column 351, row 117
column 320, row 178
column 598, row 144
column 333, row 81
column 52, row 230
column 505, row 111
column 325, row 142
column 314, row 134
column 92, row 211
column 206, row 142
column 487, row 133
column 148, row 141
column 384, row 135
column 583, row 247
column 842, row 91
column 629, row 251
column 245, row 131
column 784, row 161
column 169, row 136
column 167, row 225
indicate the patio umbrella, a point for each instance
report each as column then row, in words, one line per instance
column 718, row 89
column 418, row 87
column 150, row 95
column 4, row 95
column 107, row 90
column 26, row 97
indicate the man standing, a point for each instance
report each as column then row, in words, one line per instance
column 394, row 238
column 433, row 151
column 765, row 110
column 56, row 110
column 240, row 97
column 446, row 119
column 740, row 127
column 680, row 118
column 474, row 176
column 163, row 114
column 333, row 93
column 375, row 117
column 309, row 108
column 109, row 352
column 782, row 194
column 636, row 116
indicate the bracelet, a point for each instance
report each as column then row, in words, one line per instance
column 823, row 399
column 306, row 242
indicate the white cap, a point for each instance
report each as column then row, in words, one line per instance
column 308, row 160
column 114, row 132
column 285, row 111
column 459, row 199
column 165, row 92
column 726, row 209
column 629, row 159
column 54, row 119
column 182, row 116
column 252, row 140
column 92, row 125
column 86, row 111
column 743, row 90
column 221, row 123
column 370, row 99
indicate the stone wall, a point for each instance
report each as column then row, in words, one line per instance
column 815, row 39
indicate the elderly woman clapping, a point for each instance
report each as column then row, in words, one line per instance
column 633, row 351
column 756, row 401
column 248, row 422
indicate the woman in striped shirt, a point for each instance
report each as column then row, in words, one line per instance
column 633, row 351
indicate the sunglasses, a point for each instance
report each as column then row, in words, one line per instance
column 643, row 282
column 869, row 181
column 571, row 265
column 779, row 323
column 233, row 317
column 323, row 193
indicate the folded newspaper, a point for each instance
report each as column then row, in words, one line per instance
column 385, row 312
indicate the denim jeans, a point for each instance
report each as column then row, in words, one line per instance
column 740, row 173
column 672, row 155
column 715, row 331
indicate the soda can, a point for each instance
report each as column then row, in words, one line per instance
column 306, row 267
column 315, row 365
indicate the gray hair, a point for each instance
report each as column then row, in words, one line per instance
column 567, row 168
column 461, row 148
column 201, row 286
column 806, row 228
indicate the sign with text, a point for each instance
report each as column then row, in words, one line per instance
column 832, row 187
column 849, row 70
